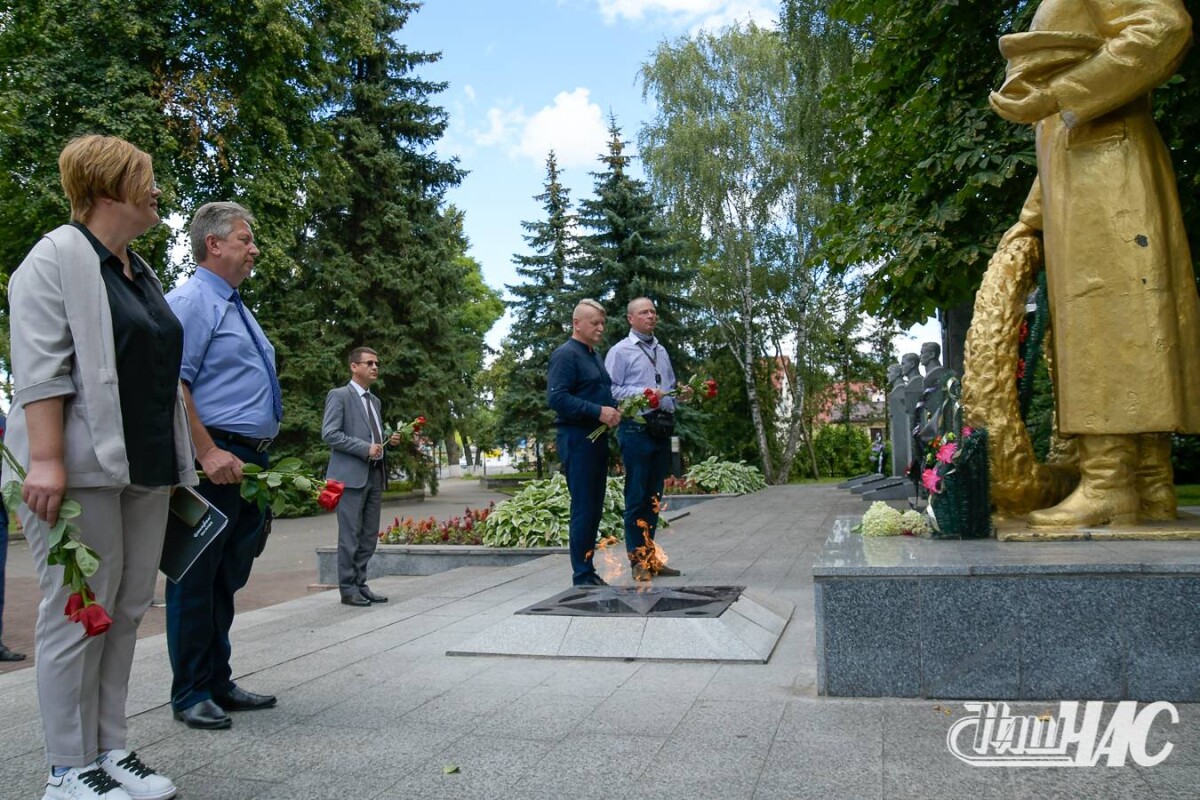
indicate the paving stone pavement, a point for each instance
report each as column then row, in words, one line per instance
column 371, row 707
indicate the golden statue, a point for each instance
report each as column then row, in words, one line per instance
column 1125, row 316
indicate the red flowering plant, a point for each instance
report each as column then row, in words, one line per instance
column 65, row 548
column 467, row 529
column 287, row 483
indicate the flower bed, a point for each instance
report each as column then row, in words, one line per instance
column 467, row 529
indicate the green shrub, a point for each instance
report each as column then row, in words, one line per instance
column 540, row 515
column 725, row 477
column 843, row 450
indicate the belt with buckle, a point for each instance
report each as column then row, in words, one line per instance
column 257, row 445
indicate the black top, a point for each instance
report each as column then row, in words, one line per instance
column 149, row 345
column 577, row 384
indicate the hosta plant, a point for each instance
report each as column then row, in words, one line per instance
column 726, row 477
column 540, row 515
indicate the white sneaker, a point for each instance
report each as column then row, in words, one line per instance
column 139, row 781
column 84, row 783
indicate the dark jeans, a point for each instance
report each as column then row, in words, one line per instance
column 586, row 467
column 646, row 462
column 3, row 562
column 200, row 607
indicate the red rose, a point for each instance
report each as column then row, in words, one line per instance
column 93, row 617
column 88, row 612
column 710, row 388
column 331, row 495
column 1020, row 368
column 75, row 604
column 651, row 397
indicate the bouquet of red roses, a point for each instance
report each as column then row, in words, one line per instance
column 408, row 430
column 697, row 390
column 631, row 408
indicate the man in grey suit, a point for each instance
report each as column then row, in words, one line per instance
column 352, row 427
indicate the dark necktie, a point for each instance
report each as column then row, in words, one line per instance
column 376, row 432
column 276, row 394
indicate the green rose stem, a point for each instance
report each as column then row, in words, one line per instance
column 79, row 562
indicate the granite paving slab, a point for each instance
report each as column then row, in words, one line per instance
column 370, row 707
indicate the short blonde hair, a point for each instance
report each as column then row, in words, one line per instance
column 94, row 167
column 588, row 303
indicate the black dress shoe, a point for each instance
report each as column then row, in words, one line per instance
column 355, row 599
column 10, row 655
column 591, row 580
column 205, row 715
column 371, row 596
column 667, row 572
column 239, row 699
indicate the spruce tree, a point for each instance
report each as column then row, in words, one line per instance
column 541, row 311
column 630, row 253
column 379, row 265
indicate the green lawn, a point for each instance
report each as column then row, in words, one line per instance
column 1188, row 494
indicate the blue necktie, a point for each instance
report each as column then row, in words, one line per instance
column 276, row 395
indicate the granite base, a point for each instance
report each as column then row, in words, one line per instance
column 983, row 619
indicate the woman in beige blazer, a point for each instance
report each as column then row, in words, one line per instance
column 97, row 415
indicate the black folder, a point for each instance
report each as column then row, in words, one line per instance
column 192, row 525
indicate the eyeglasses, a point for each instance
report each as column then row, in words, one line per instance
column 368, row 363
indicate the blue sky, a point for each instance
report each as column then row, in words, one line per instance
column 526, row 76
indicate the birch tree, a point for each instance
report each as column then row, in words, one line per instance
column 738, row 153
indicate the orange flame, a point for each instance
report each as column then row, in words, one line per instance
column 609, row 567
column 649, row 558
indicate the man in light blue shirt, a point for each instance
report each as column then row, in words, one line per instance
column 635, row 364
column 234, row 408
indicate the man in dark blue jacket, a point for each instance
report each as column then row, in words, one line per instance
column 580, row 392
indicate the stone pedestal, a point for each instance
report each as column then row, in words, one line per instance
column 983, row 619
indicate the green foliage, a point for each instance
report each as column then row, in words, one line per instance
column 541, row 317
column 738, row 152
column 1185, row 458
column 843, row 450
column 933, row 175
column 540, row 515
column 326, row 134
column 381, row 260
column 725, row 477
column 722, row 426
column 630, row 252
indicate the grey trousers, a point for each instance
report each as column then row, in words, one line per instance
column 83, row 681
column 358, row 531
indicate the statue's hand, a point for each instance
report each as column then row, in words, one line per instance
column 1025, row 107
column 1019, row 231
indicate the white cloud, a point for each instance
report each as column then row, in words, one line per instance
column 501, row 127
column 709, row 15
column 469, row 91
column 573, row 127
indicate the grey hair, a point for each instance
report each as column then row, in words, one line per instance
column 215, row 219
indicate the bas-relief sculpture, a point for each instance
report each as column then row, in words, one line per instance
column 1104, row 215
